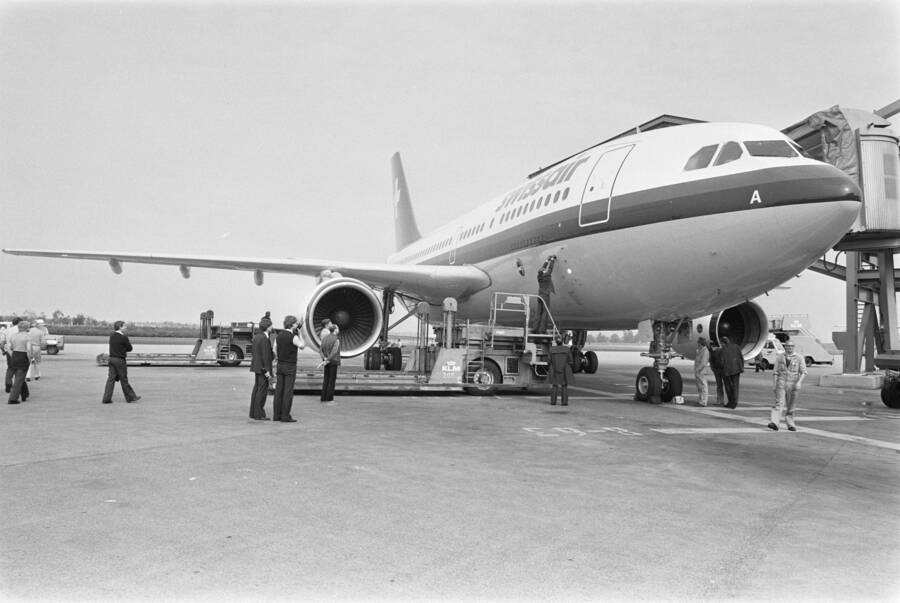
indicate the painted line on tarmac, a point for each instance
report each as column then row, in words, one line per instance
column 599, row 392
column 801, row 428
column 702, row 430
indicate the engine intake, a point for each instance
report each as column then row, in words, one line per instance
column 745, row 324
column 350, row 304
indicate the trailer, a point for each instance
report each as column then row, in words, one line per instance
column 217, row 346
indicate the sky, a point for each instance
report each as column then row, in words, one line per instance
column 265, row 129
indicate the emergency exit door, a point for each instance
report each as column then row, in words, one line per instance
column 598, row 192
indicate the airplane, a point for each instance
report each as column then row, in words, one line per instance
column 680, row 226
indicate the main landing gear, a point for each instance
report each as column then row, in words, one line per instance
column 661, row 382
column 582, row 361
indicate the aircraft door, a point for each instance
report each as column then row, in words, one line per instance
column 453, row 243
column 598, row 192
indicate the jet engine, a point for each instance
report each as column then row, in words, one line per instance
column 745, row 324
column 350, row 304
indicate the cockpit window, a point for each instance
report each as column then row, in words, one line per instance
column 769, row 148
column 730, row 151
column 701, row 158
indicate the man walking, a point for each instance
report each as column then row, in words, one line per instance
column 732, row 367
column 119, row 346
column 287, row 342
column 261, row 367
column 38, row 335
column 19, row 349
column 7, row 352
column 790, row 369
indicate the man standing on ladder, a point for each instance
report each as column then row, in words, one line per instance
column 545, row 289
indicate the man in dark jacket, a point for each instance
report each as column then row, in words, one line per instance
column 545, row 290
column 715, row 363
column 287, row 342
column 732, row 367
column 119, row 346
column 261, row 366
column 560, row 372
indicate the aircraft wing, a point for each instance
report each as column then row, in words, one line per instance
column 431, row 283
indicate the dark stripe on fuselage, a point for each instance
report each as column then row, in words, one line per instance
column 776, row 187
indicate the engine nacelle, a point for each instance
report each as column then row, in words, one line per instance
column 745, row 324
column 350, row 304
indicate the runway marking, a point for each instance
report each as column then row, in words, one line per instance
column 801, row 428
column 555, row 432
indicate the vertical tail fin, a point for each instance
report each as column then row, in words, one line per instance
column 405, row 229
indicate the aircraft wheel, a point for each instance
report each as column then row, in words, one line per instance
column 233, row 358
column 890, row 393
column 591, row 363
column 577, row 361
column 648, row 384
column 485, row 379
column 672, row 384
column 395, row 362
column 372, row 360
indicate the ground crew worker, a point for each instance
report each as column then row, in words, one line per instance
column 560, row 371
column 545, row 290
column 790, row 369
column 701, row 359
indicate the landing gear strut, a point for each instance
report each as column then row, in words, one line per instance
column 582, row 361
column 661, row 382
column 384, row 354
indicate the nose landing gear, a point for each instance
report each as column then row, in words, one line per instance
column 661, row 382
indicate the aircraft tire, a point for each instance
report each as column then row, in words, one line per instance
column 591, row 363
column 372, row 359
column 491, row 376
column 672, row 384
column 647, row 385
column 396, row 359
column 578, row 361
column 890, row 393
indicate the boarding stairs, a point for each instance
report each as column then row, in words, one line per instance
column 511, row 317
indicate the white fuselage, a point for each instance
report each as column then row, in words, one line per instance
column 640, row 237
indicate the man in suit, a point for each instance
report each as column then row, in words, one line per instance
column 732, row 367
column 261, row 366
column 119, row 346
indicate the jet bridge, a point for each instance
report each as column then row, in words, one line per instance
column 862, row 145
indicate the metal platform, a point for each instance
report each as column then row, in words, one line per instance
column 356, row 380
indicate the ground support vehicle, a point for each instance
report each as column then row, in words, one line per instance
column 53, row 344
column 217, row 345
column 478, row 358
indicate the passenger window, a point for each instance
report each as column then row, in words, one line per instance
column 769, row 148
column 701, row 158
column 730, row 151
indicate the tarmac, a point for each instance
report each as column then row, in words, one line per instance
column 443, row 497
